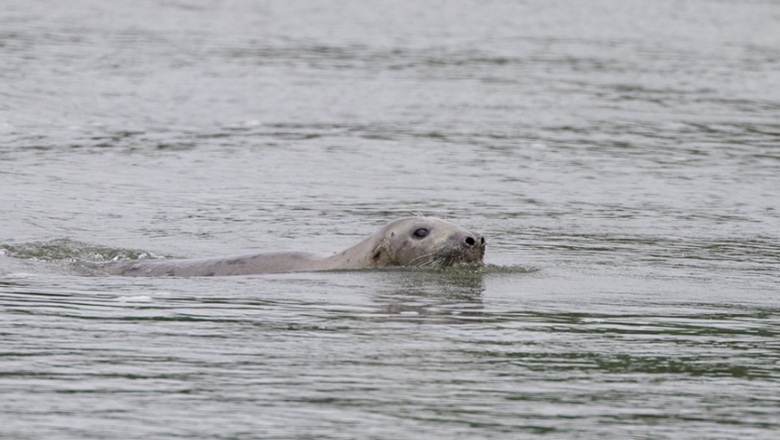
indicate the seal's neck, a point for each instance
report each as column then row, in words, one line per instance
column 374, row 251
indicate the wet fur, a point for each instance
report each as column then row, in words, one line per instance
column 390, row 246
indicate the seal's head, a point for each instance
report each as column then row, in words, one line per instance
column 428, row 242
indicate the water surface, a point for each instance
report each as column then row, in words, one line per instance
column 622, row 159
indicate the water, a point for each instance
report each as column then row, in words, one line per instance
column 622, row 158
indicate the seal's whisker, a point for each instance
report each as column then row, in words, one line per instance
column 436, row 263
column 413, row 261
column 431, row 263
column 419, row 263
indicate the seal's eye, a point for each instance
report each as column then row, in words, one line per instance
column 421, row 233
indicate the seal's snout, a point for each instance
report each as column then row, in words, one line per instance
column 472, row 247
column 473, row 240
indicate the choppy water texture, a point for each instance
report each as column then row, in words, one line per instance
column 621, row 157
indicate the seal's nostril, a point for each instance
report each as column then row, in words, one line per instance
column 482, row 240
column 470, row 241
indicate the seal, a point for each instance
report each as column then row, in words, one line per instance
column 407, row 242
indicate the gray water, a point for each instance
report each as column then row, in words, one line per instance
column 621, row 157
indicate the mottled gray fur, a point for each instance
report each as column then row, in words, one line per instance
column 395, row 244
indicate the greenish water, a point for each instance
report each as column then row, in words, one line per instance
column 621, row 158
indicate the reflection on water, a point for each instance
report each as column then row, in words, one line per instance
column 622, row 159
column 445, row 296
